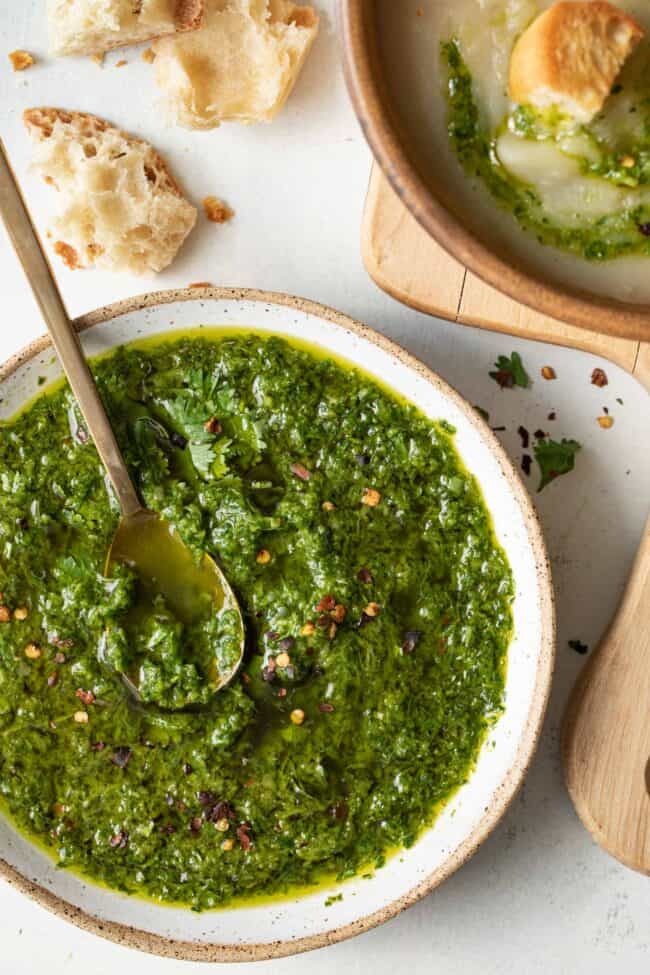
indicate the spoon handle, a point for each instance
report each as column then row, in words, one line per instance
column 66, row 341
column 606, row 734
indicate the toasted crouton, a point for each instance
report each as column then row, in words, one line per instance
column 240, row 66
column 570, row 57
column 121, row 209
column 89, row 27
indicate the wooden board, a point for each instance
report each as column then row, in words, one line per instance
column 404, row 261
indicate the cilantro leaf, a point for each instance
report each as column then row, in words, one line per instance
column 555, row 458
column 510, row 372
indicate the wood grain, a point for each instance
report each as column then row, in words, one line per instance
column 404, row 261
column 606, row 735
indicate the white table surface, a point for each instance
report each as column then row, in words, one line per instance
column 538, row 896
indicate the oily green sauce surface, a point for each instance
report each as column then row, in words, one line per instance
column 339, row 740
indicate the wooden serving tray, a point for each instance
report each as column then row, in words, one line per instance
column 405, row 262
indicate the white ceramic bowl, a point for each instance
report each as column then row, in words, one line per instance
column 250, row 933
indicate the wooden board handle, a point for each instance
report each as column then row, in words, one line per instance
column 606, row 734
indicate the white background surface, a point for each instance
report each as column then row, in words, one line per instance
column 538, row 896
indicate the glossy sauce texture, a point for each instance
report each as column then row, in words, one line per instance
column 376, row 600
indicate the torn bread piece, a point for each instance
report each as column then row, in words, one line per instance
column 570, row 57
column 121, row 209
column 94, row 26
column 242, row 65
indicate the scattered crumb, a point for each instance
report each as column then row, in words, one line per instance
column 606, row 422
column 120, row 64
column 599, row 377
column 97, row 58
column 552, row 415
column 548, row 372
column 149, row 55
column 21, row 60
column 201, row 284
column 67, row 254
column 216, row 210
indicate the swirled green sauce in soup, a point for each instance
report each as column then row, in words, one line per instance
column 571, row 200
column 377, row 605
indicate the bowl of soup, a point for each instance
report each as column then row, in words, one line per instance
column 547, row 209
column 399, row 623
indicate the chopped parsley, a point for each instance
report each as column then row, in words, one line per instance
column 555, row 458
column 509, row 372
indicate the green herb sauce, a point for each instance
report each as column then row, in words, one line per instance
column 316, row 764
column 615, row 234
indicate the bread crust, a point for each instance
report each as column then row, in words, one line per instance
column 188, row 16
column 571, row 55
column 41, row 121
column 85, row 235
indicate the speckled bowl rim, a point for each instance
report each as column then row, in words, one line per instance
column 132, row 937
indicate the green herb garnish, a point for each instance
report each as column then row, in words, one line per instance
column 510, row 372
column 555, row 458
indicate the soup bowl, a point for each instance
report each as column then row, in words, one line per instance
column 298, row 923
column 391, row 62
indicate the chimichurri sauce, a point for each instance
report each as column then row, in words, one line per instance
column 377, row 604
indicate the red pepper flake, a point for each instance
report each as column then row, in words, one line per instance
column 599, row 378
column 120, row 840
column 242, row 835
column 121, row 756
column 326, row 708
column 86, row 697
column 339, row 811
column 245, row 678
column 301, row 472
column 282, row 692
column 212, row 426
column 364, row 575
column 526, row 462
column 525, row 436
column 411, row 640
column 326, row 604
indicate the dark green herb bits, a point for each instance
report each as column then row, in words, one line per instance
column 613, row 234
column 378, row 622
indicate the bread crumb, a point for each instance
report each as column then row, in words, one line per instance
column 216, row 210
column 149, row 55
column 21, row 60
column 67, row 254
column 97, row 58
column 606, row 422
column 120, row 64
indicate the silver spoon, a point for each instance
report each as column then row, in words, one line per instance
column 144, row 541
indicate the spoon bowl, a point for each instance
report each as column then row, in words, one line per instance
column 174, row 585
column 182, row 637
